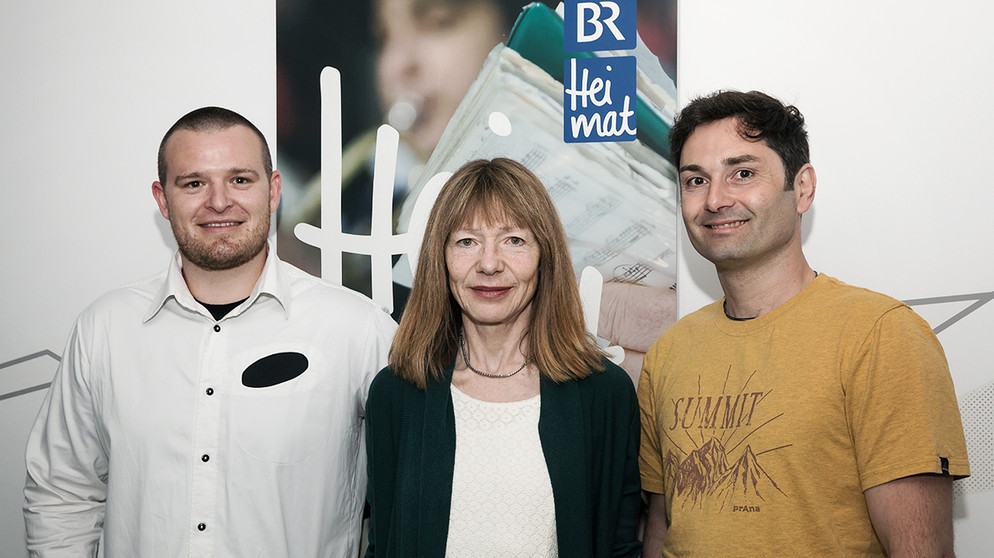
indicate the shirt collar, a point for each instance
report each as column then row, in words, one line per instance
column 273, row 282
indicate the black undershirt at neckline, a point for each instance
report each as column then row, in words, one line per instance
column 724, row 308
column 221, row 310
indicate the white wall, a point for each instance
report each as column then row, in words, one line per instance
column 897, row 99
column 895, row 94
column 86, row 93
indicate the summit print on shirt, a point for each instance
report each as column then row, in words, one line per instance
column 717, row 465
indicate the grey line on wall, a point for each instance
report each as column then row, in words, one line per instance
column 26, row 358
column 980, row 298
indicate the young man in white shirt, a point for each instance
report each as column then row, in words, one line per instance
column 217, row 408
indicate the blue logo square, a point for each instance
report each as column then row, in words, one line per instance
column 593, row 25
column 599, row 99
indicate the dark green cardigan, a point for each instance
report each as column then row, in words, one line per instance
column 589, row 431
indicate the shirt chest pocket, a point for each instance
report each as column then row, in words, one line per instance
column 280, row 407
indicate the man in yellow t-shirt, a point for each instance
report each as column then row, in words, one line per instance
column 798, row 415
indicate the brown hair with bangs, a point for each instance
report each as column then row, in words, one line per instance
column 499, row 191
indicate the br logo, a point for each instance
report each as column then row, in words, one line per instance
column 600, row 91
column 603, row 25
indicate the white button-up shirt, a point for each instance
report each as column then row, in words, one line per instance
column 173, row 434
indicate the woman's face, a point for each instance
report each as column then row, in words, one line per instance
column 431, row 51
column 493, row 271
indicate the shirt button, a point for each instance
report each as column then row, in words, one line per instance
column 217, row 328
column 210, row 391
column 205, row 458
column 201, row 526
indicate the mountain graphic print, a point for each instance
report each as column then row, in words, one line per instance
column 715, row 466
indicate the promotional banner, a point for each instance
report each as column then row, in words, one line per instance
column 481, row 79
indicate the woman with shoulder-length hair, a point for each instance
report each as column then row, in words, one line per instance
column 499, row 428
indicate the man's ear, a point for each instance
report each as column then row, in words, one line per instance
column 159, row 193
column 805, row 182
column 275, row 187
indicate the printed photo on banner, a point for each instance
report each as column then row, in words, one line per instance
column 467, row 79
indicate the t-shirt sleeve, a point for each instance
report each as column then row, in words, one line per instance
column 650, row 448
column 901, row 404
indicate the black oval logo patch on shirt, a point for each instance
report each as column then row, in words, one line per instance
column 274, row 369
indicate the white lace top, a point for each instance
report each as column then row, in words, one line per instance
column 501, row 493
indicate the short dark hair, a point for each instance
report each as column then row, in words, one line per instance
column 760, row 118
column 209, row 119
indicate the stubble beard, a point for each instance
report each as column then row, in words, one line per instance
column 723, row 255
column 224, row 253
column 745, row 252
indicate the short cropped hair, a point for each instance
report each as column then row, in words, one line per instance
column 207, row 119
column 760, row 118
column 500, row 191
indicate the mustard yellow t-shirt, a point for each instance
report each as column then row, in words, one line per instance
column 763, row 434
